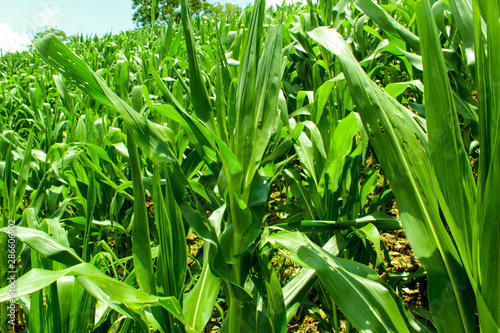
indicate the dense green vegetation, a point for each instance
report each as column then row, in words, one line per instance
column 170, row 10
column 158, row 178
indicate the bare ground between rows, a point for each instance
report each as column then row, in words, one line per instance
column 403, row 260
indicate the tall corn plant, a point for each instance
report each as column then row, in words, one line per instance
column 170, row 275
column 241, row 184
column 12, row 196
column 470, row 211
column 418, row 167
column 247, row 129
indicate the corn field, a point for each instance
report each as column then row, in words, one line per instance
column 159, row 180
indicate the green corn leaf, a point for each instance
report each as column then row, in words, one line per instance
column 267, row 91
column 153, row 12
column 267, row 283
column 8, row 191
column 388, row 23
column 193, row 213
column 294, row 180
column 199, row 303
column 462, row 14
column 172, row 259
column 22, row 180
column 65, row 286
column 285, row 145
column 450, row 163
column 199, row 135
column 151, row 140
column 457, row 188
column 63, row 91
column 257, row 95
column 110, row 290
column 36, row 308
column 487, row 233
column 401, row 147
column 140, row 233
column 46, row 246
column 199, row 94
column 90, row 207
column 371, row 306
column 379, row 219
column 298, row 287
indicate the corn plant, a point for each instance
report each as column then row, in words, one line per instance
column 416, row 165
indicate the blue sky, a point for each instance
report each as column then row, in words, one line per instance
column 21, row 19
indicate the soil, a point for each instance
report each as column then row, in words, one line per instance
column 402, row 260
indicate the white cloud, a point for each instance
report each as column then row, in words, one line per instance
column 11, row 40
column 12, row 37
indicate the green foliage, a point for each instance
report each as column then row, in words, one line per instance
column 238, row 168
column 166, row 10
column 226, row 9
column 56, row 32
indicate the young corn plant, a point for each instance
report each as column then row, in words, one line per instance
column 418, row 160
column 241, row 135
column 242, row 186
